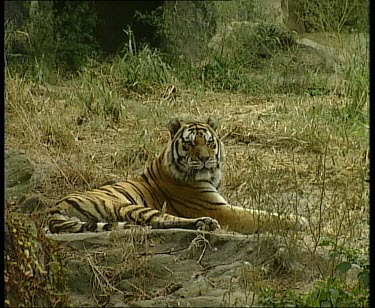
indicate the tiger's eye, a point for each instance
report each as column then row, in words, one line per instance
column 211, row 144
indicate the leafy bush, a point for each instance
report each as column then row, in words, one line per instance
column 32, row 48
column 252, row 42
column 140, row 69
column 220, row 74
column 357, row 89
column 334, row 291
column 51, row 39
column 34, row 273
column 75, row 23
column 336, row 16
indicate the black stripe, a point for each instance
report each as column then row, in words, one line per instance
column 140, row 213
column 151, row 172
column 117, row 213
column 158, row 165
column 177, row 165
column 129, row 213
column 203, row 203
column 156, row 213
column 78, row 207
column 215, row 204
column 109, row 192
column 182, row 202
column 145, row 210
column 106, row 189
column 194, row 186
column 145, row 178
column 129, row 197
column 140, row 209
column 55, row 211
column 140, row 194
column 108, row 213
column 99, row 206
column 175, row 151
column 152, row 194
column 125, row 193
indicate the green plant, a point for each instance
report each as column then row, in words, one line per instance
column 329, row 293
column 34, row 272
column 141, row 69
column 333, row 291
column 16, row 43
column 357, row 90
column 345, row 257
column 54, row 37
column 98, row 99
column 271, row 298
column 75, row 23
column 222, row 74
column 335, row 16
column 31, row 49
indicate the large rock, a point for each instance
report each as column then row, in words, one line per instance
column 20, row 173
column 22, row 176
column 141, row 267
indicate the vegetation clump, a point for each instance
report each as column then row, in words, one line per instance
column 35, row 274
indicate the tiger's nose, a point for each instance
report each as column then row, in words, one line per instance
column 204, row 157
column 202, row 153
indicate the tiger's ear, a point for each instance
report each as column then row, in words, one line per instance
column 173, row 126
column 213, row 122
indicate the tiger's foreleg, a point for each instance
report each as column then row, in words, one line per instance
column 160, row 220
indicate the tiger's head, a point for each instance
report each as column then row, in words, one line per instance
column 195, row 153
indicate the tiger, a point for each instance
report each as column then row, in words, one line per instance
column 178, row 189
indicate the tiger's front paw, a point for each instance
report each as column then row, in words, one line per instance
column 207, row 224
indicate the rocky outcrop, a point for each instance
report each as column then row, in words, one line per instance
column 20, row 173
column 141, row 267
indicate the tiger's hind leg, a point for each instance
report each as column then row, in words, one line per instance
column 59, row 223
column 129, row 214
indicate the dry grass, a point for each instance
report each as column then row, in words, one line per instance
column 284, row 153
column 291, row 152
column 107, row 272
column 119, row 268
